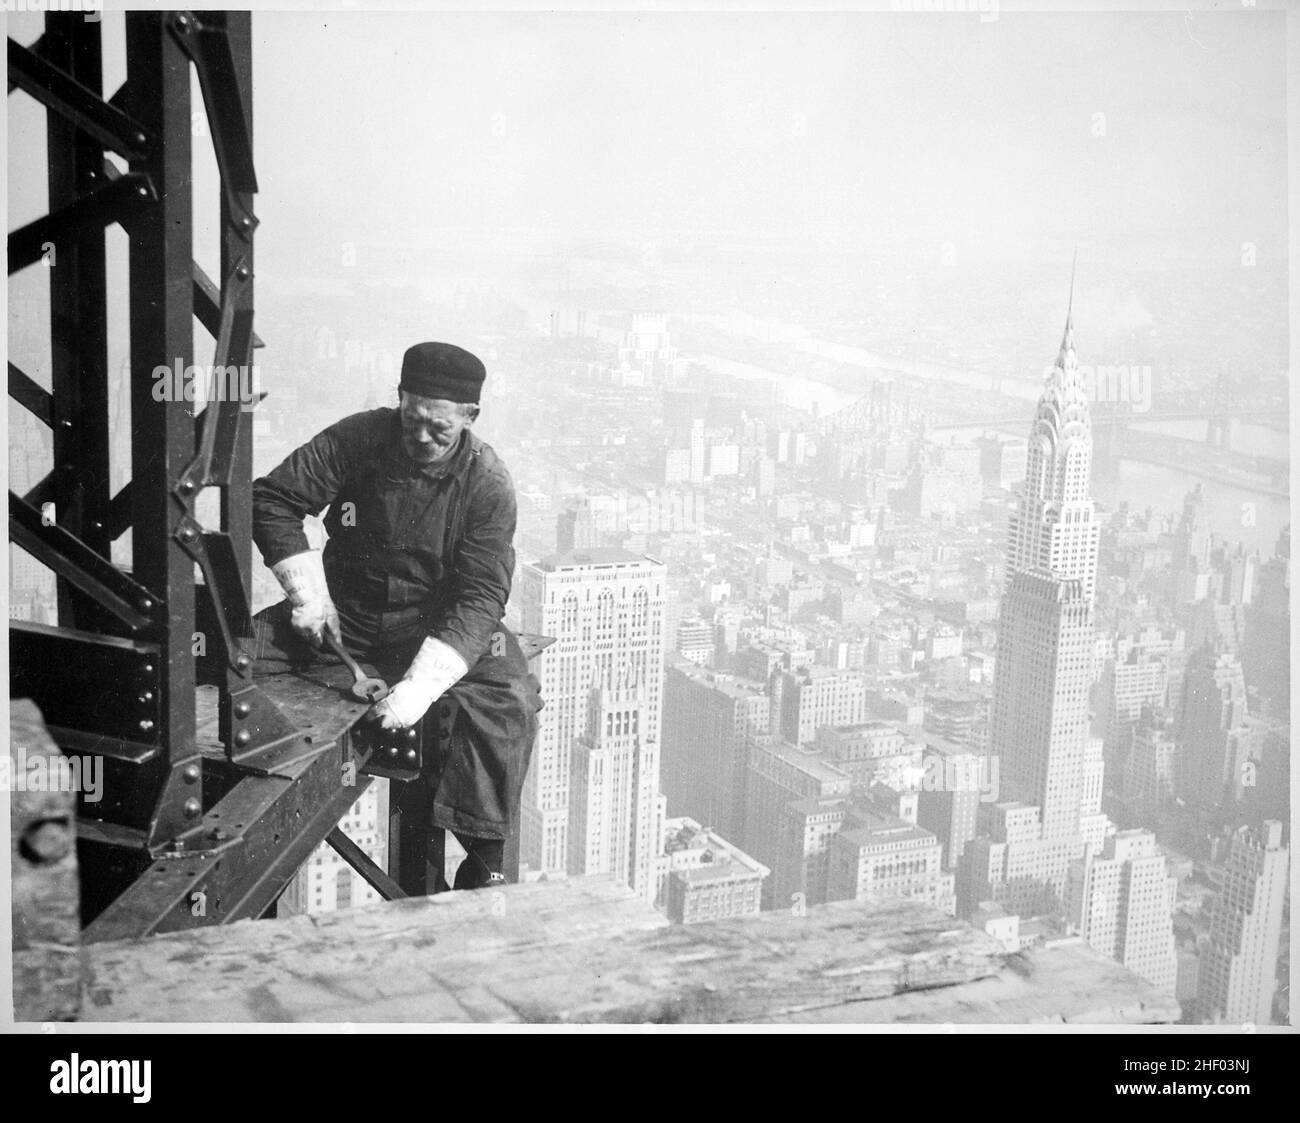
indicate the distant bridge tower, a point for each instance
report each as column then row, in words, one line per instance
column 1218, row 429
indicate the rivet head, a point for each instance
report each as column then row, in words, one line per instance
column 411, row 755
column 146, row 604
column 242, row 709
column 410, row 734
column 139, row 138
column 242, row 272
column 243, row 737
column 183, row 22
column 191, row 807
column 145, row 697
column 186, row 486
column 44, row 843
column 187, row 534
column 142, row 191
column 190, row 773
column 243, row 662
column 392, row 750
column 66, row 423
column 148, row 668
column 246, row 222
column 146, row 726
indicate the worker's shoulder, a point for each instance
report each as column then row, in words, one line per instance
column 369, row 427
column 486, row 462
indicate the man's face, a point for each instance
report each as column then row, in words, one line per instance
column 432, row 426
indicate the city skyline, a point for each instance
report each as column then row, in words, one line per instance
column 867, row 579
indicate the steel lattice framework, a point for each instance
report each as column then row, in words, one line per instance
column 118, row 676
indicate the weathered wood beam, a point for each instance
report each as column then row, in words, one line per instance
column 42, row 850
column 588, row 950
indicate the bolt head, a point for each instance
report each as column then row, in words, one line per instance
column 191, row 807
column 47, row 842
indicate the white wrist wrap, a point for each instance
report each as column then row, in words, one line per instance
column 302, row 577
column 436, row 667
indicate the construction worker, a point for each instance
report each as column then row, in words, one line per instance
column 414, row 579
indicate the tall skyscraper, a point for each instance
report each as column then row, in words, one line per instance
column 1212, row 730
column 792, row 807
column 1054, row 528
column 1238, row 970
column 1038, row 720
column 610, row 762
column 1122, row 902
column 707, row 721
column 606, row 609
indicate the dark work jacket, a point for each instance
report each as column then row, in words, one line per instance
column 418, row 551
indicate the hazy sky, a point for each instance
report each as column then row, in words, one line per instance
column 1138, row 134
column 372, row 125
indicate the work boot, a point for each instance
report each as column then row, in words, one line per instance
column 482, row 864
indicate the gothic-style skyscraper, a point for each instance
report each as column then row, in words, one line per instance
column 1038, row 722
column 1039, row 717
column 1054, row 528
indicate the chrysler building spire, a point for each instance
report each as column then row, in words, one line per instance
column 1054, row 530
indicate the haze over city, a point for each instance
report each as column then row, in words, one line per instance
column 842, row 346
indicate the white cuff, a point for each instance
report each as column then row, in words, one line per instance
column 436, row 667
column 302, row 577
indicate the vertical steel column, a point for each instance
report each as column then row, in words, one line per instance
column 162, row 432
column 237, row 243
column 78, row 321
column 416, row 851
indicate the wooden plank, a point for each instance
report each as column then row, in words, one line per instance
column 370, row 963
column 1070, row 984
column 43, row 856
column 582, row 950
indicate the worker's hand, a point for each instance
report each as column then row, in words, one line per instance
column 302, row 577
column 310, row 620
column 382, row 713
column 435, row 668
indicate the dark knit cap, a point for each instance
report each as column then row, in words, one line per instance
column 442, row 370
